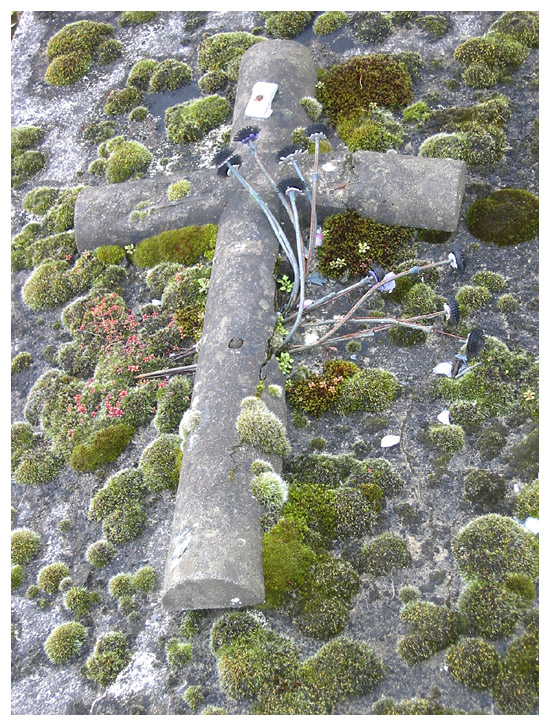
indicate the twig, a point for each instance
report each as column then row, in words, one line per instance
column 189, row 370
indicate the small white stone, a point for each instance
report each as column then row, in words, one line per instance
column 443, row 369
column 517, row 489
column 532, row 524
column 235, row 601
column 388, row 287
column 156, row 302
column 444, row 417
column 389, row 440
column 311, row 337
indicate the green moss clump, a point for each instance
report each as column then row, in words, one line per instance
column 484, row 488
column 492, row 609
column 372, row 27
column 25, row 161
column 121, row 585
column 213, row 81
column 343, row 668
column 344, row 470
column 256, row 662
column 21, row 362
column 223, row 51
column 329, row 22
column 490, row 58
column 321, row 609
column 505, row 217
column 286, row 560
column 109, row 51
column 447, row 439
column 80, row 37
column 412, row 707
column 97, row 167
column 60, row 216
column 110, row 657
column 193, row 697
column 24, row 546
column 137, row 17
column 516, row 689
column 141, row 73
column 526, row 503
column 233, row 625
column 498, row 384
column 524, row 457
column 475, row 146
column 119, row 506
column 37, row 467
column 474, row 663
column 270, row 490
column 100, row 553
column 372, row 389
column 110, row 254
column 350, row 239
column 345, row 89
column 123, row 100
column 79, row 600
column 286, row 23
column 161, row 462
column 492, row 547
column 173, row 401
column 416, row 113
column 67, row 69
column 419, row 299
column 50, row 576
column 128, row 159
column 213, row 711
column 260, row 428
column 65, row 641
column 17, row 575
column 71, row 50
column 33, row 591
column 139, row 113
column 315, row 394
column 22, row 440
column 435, row 25
column 409, row 593
column 312, row 107
column 508, row 304
column 99, row 132
column 40, row 199
column 25, row 137
column 21, row 246
column 104, row 446
column 144, row 579
column 491, row 280
column 385, row 554
column 432, row 629
column 178, row 654
column 185, row 246
column 191, row 121
column 376, row 130
column 521, row 25
column 170, row 75
column 178, row 190
column 161, row 275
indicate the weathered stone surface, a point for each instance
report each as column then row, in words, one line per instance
column 215, row 554
column 407, row 190
column 106, row 215
column 393, row 189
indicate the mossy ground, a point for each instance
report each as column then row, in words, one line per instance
column 424, row 505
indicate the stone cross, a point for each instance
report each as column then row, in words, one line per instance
column 215, row 553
